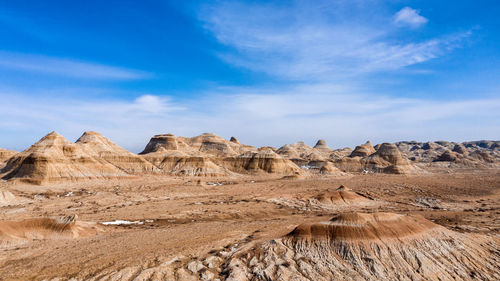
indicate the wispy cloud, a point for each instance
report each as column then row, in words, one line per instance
column 409, row 17
column 258, row 116
column 67, row 67
column 315, row 41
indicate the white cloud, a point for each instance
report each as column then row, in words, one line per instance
column 256, row 116
column 67, row 67
column 307, row 41
column 409, row 17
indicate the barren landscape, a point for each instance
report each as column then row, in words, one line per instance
column 205, row 208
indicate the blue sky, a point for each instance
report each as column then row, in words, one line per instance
column 266, row 72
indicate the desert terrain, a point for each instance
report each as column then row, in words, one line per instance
column 205, row 208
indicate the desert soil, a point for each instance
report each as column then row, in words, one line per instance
column 184, row 220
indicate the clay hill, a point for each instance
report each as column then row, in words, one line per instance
column 54, row 158
column 97, row 146
column 360, row 246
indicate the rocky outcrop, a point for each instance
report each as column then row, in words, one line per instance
column 342, row 196
column 54, row 158
column 263, row 160
column 388, row 159
column 159, row 143
column 363, row 150
column 322, row 147
column 379, row 246
column 98, row 146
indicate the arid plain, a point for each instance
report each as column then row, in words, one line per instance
column 205, row 208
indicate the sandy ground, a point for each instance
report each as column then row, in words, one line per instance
column 184, row 220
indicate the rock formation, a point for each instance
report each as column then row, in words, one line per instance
column 98, row 146
column 159, row 143
column 363, row 150
column 321, row 146
column 342, row 196
column 211, row 155
column 263, row 160
column 54, row 158
column 380, row 246
column 93, row 156
column 388, row 159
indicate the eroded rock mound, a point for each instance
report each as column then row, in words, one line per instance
column 321, row 146
column 380, row 246
column 263, row 160
column 363, row 150
column 211, row 155
column 388, row 159
column 98, row 146
column 159, row 143
column 54, row 158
